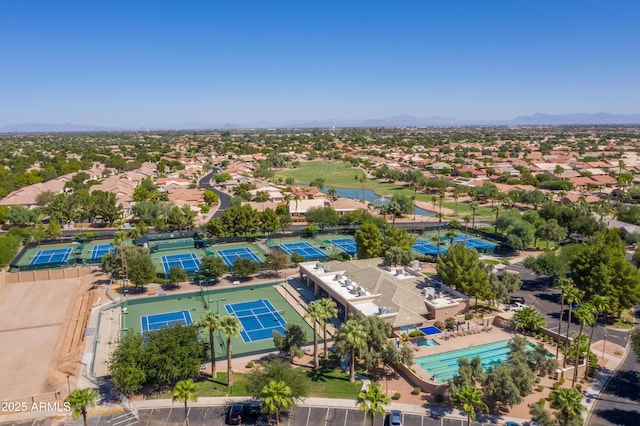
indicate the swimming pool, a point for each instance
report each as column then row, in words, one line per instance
column 444, row 366
column 423, row 341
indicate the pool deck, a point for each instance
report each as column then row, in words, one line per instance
column 460, row 340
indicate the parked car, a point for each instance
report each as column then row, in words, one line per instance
column 516, row 306
column 395, row 419
column 516, row 299
column 235, row 413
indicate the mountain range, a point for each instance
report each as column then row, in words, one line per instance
column 538, row 119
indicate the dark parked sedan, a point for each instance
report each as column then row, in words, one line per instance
column 235, row 413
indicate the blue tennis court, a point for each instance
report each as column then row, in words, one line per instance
column 304, row 249
column 189, row 262
column 50, row 256
column 97, row 252
column 230, row 255
column 426, row 247
column 347, row 244
column 157, row 321
column 259, row 319
column 473, row 242
column 430, row 330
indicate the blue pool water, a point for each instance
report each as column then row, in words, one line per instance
column 444, row 366
column 423, row 341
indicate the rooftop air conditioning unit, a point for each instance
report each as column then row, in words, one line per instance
column 348, row 281
column 399, row 271
column 339, row 277
column 318, row 265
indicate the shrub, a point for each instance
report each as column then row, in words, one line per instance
column 450, row 323
column 556, row 385
column 416, row 391
column 439, row 325
column 593, row 364
column 416, row 333
column 537, row 379
column 579, row 387
column 542, row 401
column 562, row 380
column 250, row 364
column 540, row 388
column 468, row 316
column 439, row 398
column 396, row 396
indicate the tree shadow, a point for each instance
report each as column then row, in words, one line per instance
column 617, row 416
column 320, row 375
column 625, row 385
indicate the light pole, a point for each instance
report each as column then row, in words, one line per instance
column 222, row 299
column 68, row 384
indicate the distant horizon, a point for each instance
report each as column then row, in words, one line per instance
column 156, row 64
column 400, row 120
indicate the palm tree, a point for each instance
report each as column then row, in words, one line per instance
column 469, row 399
column 79, row 400
column 230, row 327
column 451, row 233
column 329, row 310
column 466, row 220
column 456, row 195
column 528, row 318
column 277, row 396
column 473, row 207
column 600, row 304
column 185, row 391
column 211, row 321
column 438, row 240
column 568, row 402
column 372, row 400
column 314, row 313
column 353, row 335
column 496, row 209
column 573, row 295
column 564, row 284
column 586, row 315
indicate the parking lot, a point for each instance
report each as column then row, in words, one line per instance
column 300, row 416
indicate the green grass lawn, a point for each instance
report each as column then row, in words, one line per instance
column 326, row 383
column 335, row 173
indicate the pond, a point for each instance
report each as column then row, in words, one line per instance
column 373, row 198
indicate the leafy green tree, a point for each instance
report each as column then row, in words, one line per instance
column 210, row 197
column 322, row 216
column 210, row 321
column 398, row 256
column 79, row 400
column 240, row 220
column 292, row 340
column 244, row 268
column 185, row 391
column 541, row 415
column 177, row 275
column 21, row 216
column 601, row 268
column 372, row 401
column 568, row 405
column 368, row 241
column 54, row 231
column 173, row 353
column 9, row 244
column 230, row 327
column 351, row 338
column 548, row 264
column 140, row 268
column 520, row 235
column 469, row 400
column 277, row 396
column 212, row 267
column 404, row 202
column 460, row 268
column 105, row 205
column 127, row 364
column 499, row 389
column 528, row 319
column 268, row 221
column 278, row 370
column 276, row 261
column 396, row 237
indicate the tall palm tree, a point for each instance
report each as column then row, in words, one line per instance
column 568, row 403
column 474, row 206
column 277, row 396
column 469, row 399
column 572, row 295
column 372, row 400
column 230, row 327
column 586, row 315
column 185, row 391
column 314, row 313
column 353, row 335
column 564, row 284
column 79, row 400
column 329, row 310
column 456, row 195
column 600, row 304
column 466, row 221
column 210, row 321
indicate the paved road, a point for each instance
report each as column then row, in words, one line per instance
column 619, row 403
column 300, row 416
column 225, row 199
column 537, row 292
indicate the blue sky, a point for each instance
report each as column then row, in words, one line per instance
column 149, row 63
